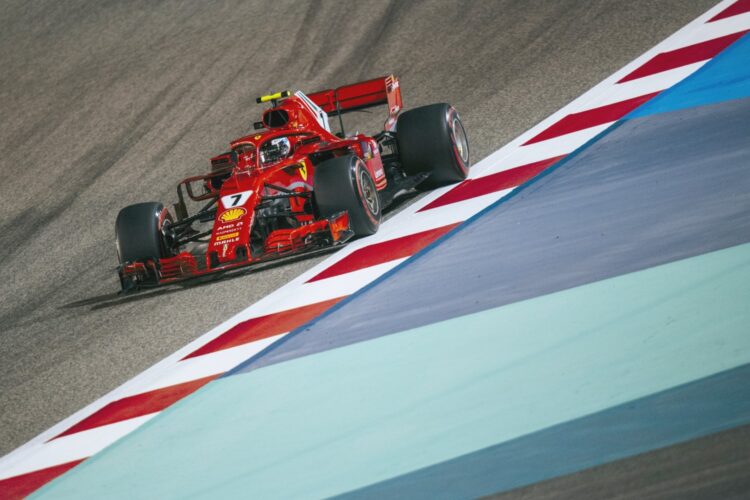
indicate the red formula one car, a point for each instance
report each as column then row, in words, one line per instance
column 293, row 186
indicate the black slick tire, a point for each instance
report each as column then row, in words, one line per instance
column 432, row 139
column 344, row 183
column 140, row 232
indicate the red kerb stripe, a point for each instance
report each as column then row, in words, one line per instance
column 492, row 183
column 591, row 118
column 264, row 327
column 138, row 405
column 385, row 251
column 683, row 56
column 21, row 486
column 738, row 7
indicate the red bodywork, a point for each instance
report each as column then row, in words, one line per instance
column 241, row 183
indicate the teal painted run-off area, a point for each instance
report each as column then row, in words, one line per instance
column 660, row 330
column 337, row 421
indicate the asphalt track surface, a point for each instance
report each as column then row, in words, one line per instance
column 110, row 103
column 711, row 467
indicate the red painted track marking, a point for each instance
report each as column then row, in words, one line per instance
column 263, row 327
column 21, row 486
column 683, row 56
column 737, row 8
column 471, row 188
column 159, row 399
column 137, row 406
column 385, row 251
column 590, row 118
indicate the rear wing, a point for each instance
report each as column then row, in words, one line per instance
column 376, row 92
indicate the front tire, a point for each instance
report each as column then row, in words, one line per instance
column 142, row 233
column 344, row 183
column 432, row 139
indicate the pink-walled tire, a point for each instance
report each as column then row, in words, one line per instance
column 142, row 231
column 344, row 183
column 432, row 139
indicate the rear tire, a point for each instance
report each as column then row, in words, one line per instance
column 432, row 139
column 142, row 232
column 344, row 183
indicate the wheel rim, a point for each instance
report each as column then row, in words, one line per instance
column 459, row 140
column 168, row 238
column 369, row 193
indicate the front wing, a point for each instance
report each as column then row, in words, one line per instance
column 326, row 233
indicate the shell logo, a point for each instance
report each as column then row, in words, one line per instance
column 232, row 214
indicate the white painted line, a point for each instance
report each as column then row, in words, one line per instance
column 69, row 448
column 214, row 363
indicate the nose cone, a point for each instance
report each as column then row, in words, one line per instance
column 231, row 233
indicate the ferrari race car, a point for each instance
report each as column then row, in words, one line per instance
column 293, row 186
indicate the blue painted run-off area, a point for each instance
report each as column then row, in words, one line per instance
column 724, row 78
